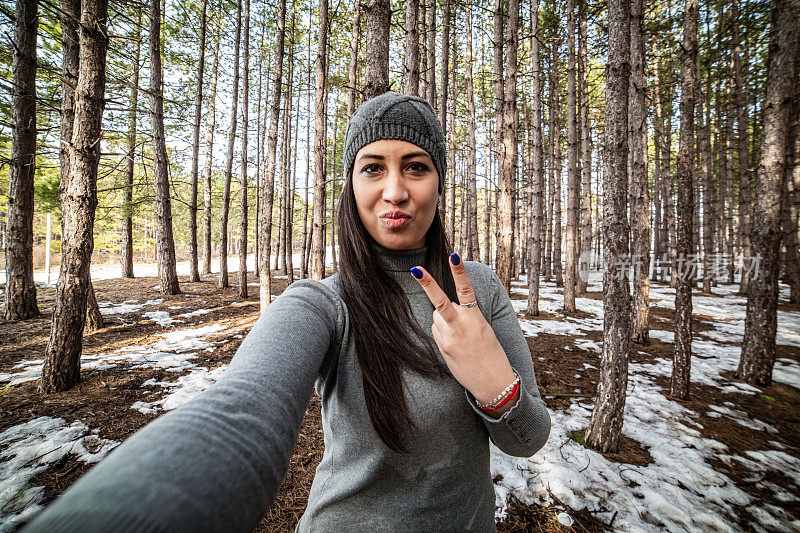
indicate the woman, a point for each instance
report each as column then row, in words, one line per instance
column 400, row 367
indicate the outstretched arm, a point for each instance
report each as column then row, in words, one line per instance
column 216, row 462
column 524, row 429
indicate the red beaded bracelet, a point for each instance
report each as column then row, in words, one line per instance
column 506, row 399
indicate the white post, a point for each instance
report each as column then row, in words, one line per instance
column 47, row 247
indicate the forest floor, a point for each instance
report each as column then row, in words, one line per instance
column 726, row 459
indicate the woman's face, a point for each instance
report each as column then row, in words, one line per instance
column 396, row 188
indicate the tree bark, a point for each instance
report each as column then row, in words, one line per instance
column 445, row 82
column 571, row 236
column 260, row 134
column 20, row 288
column 411, row 57
column 226, row 191
column 430, row 29
column 320, row 133
column 586, row 147
column 268, row 191
column 164, row 240
column 61, row 368
column 791, row 203
column 682, row 359
column 605, row 424
column 538, row 177
column 508, row 149
column 130, row 152
column 743, row 122
column 94, row 319
column 194, row 274
column 244, row 179
column 471, row 197
column 658, row 178
column 758, row 347
column 451, row 142
column 285, row 165
column 640, row 195
column 306, row 233
column 376, row 76
column 558, row 272
column 709, row 191
column 212, row 121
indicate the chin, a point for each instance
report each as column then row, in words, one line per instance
column 400, row 242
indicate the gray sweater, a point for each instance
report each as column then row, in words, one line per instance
column 217, row 462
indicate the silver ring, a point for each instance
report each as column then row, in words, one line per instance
column 471, row 304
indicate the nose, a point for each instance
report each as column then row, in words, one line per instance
column 395, row 190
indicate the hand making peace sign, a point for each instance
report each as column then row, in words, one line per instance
column 467, row 342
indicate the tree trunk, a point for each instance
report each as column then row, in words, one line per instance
column 293, row 182
column 130, row 152
column 709, row 191
column 411, row 57
column 758, row 347
column 605, row 424
column 451, row 143
column 261, row 130
column 791, row 203
column 551, row 145
column 669, row 210
column 306, row 234
column 430, row 31
column 556, row 259
column 658, row 174
column 508, row 149
column 471, row 197
column 586, row 149
column 376, row 76
column 164, row 239
column 743, row 121
column 571, row 236
column 285, row 165
column 538, row 176
column 94, row 319
column 445, row 82
column 320, row 133
column 682, row 360
column 212, row 120
column 279, row 258
column 244, row 180
column 352, row 90
column 333, row 186
column 194, row 274
column 640, row 195
column 20, row 288
column 61, row 368
column 226, row 191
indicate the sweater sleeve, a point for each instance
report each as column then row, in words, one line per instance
column 524, row 429
column 217, row 462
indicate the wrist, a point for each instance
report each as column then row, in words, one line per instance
column 498, row 390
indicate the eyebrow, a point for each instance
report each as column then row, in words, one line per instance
column 406, row 156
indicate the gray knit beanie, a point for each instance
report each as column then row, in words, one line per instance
column 392, row 115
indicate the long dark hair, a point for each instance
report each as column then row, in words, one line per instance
column 380, row 317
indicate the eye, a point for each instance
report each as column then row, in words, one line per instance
column 416, row 166
column 372, row 168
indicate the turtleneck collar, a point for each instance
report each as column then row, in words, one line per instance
column 398, row 264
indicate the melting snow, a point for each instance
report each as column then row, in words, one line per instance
column 32, row 447
column 679, row 490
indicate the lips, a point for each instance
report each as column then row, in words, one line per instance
column 395, row 214
column 395, row 219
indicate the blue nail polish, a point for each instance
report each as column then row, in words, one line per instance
column 417, row 272
column 455, row 259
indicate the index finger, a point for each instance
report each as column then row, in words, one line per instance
column 435, row 294
column 466, row 294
